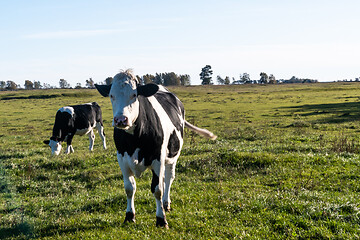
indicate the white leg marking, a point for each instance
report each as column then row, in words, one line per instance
column 159, row 170
column 169, row 178
column 126, row 164
column 130, row 189
column 69, row 149
column 101, row 133
column 91, row 139
column 159, row 208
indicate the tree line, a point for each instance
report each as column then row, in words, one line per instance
column 206, row 78
column 167, row 79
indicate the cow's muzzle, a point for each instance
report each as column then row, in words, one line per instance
column 121, row 122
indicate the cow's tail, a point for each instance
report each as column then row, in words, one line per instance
column 200, row 131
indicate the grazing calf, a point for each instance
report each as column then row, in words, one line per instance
column 76, row 120
column 148, row 133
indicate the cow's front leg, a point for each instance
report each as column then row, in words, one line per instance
column 157, row 187
column 69, row 148
column 169, row 178
column 91, row 139
column 130, row 188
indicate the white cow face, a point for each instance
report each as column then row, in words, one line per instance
column 123, row 94
column 125, row 104
column 55, row 146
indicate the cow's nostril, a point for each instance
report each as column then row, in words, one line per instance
column 121, row 120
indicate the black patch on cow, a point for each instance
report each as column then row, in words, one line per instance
column 62, row 126
column 148, row 134
column 147, row 90
column 103, row 89
column 130, row 217
column 161, row 222
column 173, row 145
column 154, row 182
column 173, row 108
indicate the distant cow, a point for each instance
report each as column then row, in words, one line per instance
column 149, row 122
column 76, row 120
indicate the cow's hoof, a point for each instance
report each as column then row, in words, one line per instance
column 166, row 206
column 161, row 222
column 130, row 217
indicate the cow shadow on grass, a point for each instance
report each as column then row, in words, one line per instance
column 330, row 113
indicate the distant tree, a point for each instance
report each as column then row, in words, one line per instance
column 148, row 78
column 63, row 83
column 28, row 85
column 47, row 86
column 185, row 79
column 264, row 79
column 227, row 80
column 220, row 80
column 245, row 78
column 90, row 83
column 205, row 75
column 272, row 79
column 37, row 85
column 108, row 80
column 2, row 85
column 171, row 79
column 10, row 85
column 159, row 79
column 294, row 79
column 78, row 86
column 237, row 81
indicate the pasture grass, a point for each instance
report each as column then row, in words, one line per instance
column 286, row 165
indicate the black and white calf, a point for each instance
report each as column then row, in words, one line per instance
column 149, row 123
column 76, row 120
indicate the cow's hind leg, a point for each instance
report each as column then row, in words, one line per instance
column 169, row 178
column 91, row 139
column 100, row 129
column 157, row 190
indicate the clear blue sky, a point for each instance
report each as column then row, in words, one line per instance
column 77, row 39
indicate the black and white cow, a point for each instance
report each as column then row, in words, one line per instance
column 148, row 133
column 76, row 120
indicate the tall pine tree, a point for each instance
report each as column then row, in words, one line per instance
column 205, row 75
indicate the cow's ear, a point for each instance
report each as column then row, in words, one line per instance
column 46, row 141
column 147, row 90
column 103, row 89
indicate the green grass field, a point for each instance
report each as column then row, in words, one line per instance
column 286, row 165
